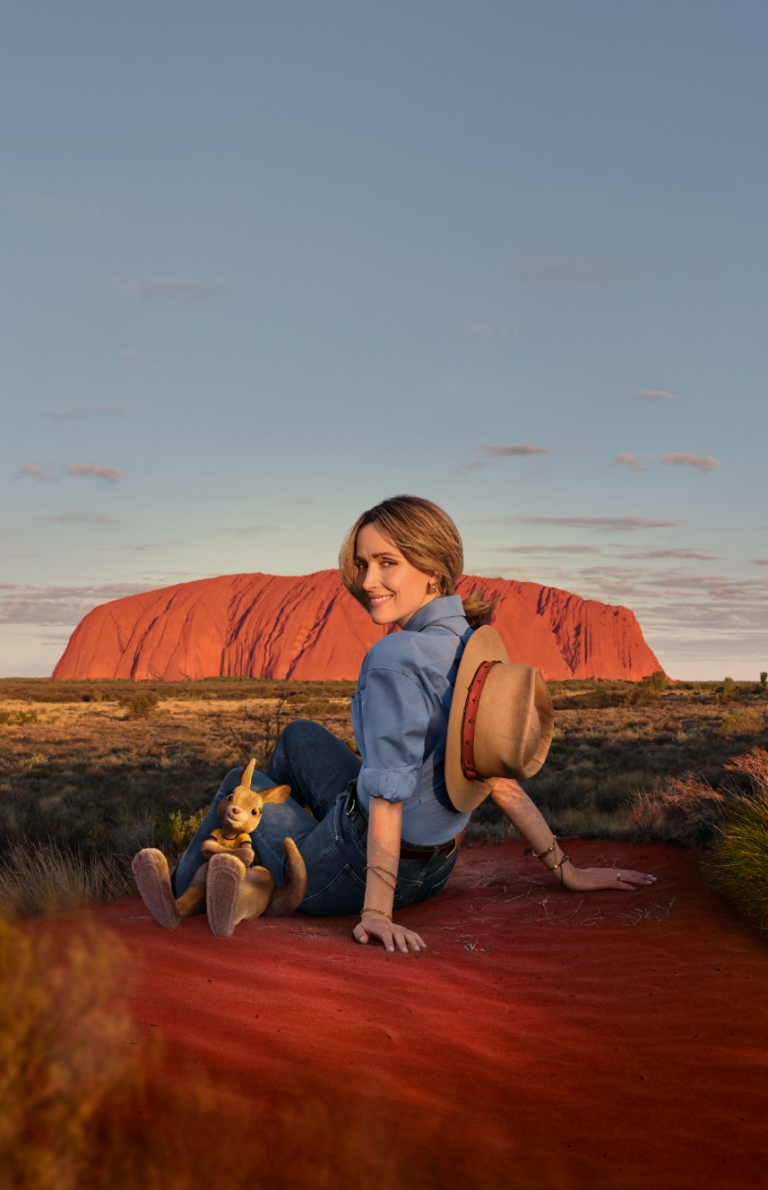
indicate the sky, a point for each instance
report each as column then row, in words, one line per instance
column 265, row 264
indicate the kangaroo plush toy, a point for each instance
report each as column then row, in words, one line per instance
column 227, row 883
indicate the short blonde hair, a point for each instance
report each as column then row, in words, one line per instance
column 427, row 537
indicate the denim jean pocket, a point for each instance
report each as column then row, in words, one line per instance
column 344, row 894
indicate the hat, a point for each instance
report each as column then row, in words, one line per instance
column 500, row 723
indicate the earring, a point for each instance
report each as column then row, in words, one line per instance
column 433, row 589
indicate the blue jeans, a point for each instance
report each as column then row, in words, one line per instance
column 320, row 770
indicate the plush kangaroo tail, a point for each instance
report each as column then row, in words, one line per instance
column 293, row 892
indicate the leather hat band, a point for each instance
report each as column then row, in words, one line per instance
column 469, row 720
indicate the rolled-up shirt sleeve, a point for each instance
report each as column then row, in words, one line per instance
column 395, row 712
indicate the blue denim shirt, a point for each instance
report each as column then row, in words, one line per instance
column 400, row 719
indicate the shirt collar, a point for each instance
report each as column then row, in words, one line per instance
column 446, row 607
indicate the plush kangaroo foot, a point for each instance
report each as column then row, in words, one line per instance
column 150, row 871
column 226, row 877
column 293, row 892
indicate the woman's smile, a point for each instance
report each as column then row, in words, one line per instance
column 392, row 587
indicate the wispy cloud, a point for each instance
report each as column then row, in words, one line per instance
column 691, row 554
column 484, row 330
column 760, row 561
column 126, row 352
column 94, row 471
column 59, row 605
column 521, row 450
column 41, row 474
column 72, row 412
column 620, row 523
column 564, row 270
column 656, row 394
column 546, row 550
column 630, row 461
column 72, row 516
column 703, row 462
column 191, row 289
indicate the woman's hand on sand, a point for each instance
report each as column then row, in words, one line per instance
column 389, row 933
column 591, row 879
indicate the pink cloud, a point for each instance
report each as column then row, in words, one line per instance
column 520, row 450
column 630, row 461
column 38, row 473
column 703, row 462
column 656, row 394
column 111, row 474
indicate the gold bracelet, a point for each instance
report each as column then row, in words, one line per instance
column 541, row 854
column 378, row 871
column 563, row 860
column 370, row 909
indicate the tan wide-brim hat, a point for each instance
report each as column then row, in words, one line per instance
column 500, row 723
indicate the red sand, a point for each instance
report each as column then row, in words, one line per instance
column 593, row 1039
column 262, row 625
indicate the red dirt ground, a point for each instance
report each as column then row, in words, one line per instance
column 564, row 1041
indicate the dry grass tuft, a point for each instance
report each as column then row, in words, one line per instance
column 684, row 811
column 41, row 878
column 739, row 867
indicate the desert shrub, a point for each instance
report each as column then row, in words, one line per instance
column 763, row 678
column 140, row 704
column 739, row 866
column 174, row 832
column 742, row 721
column 255, row 733
column 17, row 718
column 40, row 878
column 684, row 811
column 728, row 692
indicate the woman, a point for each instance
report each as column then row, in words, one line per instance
column 383, row 833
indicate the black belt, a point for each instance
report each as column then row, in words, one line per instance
column 407, row 850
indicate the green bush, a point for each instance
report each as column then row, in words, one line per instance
column 729, row 691
column 739, row 867
column 742, row 721
column 140, row 704
column 178, row 831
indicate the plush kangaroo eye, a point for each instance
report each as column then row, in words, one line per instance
column 254, row 811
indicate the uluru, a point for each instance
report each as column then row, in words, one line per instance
column 310, row 628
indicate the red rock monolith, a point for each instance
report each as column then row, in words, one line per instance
column 276, row 626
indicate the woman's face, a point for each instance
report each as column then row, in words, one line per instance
column 393, row 589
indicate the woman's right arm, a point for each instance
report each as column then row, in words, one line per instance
column 385, row 822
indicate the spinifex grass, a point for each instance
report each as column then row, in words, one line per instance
column 41, row 877
column 739, row 866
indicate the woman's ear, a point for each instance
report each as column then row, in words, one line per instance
column 278, row 793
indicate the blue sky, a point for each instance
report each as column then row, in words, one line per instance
column 266, row 263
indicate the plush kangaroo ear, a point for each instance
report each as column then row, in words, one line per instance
column 245, row 780
column 278, row 793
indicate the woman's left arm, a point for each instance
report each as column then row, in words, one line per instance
column 527, row 819
column 385, row 824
